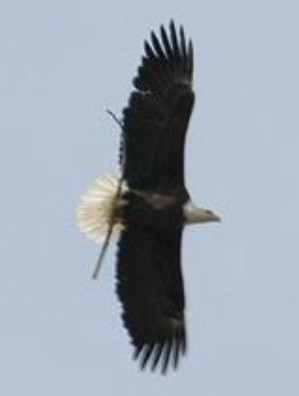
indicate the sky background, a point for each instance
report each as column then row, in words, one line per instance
column 63, row 63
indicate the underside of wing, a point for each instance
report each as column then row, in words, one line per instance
column 150, row 288
column 157, row 116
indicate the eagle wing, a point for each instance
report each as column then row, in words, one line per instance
column 157, row 116
column 150, row 288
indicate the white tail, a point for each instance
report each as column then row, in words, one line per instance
column 95, row 210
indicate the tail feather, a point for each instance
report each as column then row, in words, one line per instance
column 95, row 210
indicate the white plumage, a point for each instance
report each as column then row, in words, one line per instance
column 95, row 209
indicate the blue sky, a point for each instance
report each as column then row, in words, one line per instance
column 62, row 64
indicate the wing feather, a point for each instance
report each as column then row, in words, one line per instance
column 157, row 116
column 159, row 51
column 150, row 288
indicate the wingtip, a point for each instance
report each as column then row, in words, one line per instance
column 161, row 355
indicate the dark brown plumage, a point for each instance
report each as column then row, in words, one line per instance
column 149, row 278
column 156, row 119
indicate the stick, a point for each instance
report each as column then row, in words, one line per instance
column 109, row 233
column 114, row 117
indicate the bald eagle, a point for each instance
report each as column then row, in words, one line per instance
column 148, row 206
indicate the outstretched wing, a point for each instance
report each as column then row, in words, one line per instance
column 157, row 116
column 150, row 287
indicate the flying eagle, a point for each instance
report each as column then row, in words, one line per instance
column 148, row 206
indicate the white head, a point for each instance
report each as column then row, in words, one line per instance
column 193, row 214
